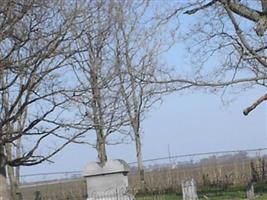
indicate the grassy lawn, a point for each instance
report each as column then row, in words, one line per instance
column 225, row 196
column 229, row 197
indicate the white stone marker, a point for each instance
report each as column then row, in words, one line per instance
column 250, row 191
column 109, row 181
column 189, row 190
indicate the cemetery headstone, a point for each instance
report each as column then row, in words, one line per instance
column 189, row 190
column 250, row 191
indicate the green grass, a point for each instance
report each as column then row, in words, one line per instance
column 235, row 197
column 221, row 196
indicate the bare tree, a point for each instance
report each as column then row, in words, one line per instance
column 228, row 35
column 35, row 44
column 118, row 52
column 97, row 95
column 13, row 172
column 138, row 47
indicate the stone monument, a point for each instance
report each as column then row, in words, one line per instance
column 250, row 191
column 107, row 181
column 189, row 190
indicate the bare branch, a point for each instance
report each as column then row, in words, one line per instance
column 255, row 104
column 193, row 11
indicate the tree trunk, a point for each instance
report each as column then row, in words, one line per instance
column 139, row 156
column 101, row 148
column 4, row 192
column 98, row 113
column 13, row 182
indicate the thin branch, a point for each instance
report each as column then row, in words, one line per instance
column 193, row 11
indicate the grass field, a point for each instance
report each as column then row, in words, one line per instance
column 231, row 193
column 226, row 196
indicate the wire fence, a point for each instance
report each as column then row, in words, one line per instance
column 49, row 177
column 220, row 158
column 214, row 173
column 212, row 169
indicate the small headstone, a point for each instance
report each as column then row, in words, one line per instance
column 250, row 191
column 189, row 190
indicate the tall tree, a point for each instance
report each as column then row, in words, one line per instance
column 35, row 44
column 13, row 172
column 138, row 47
column 97, row 93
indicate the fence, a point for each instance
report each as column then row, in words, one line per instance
column 113, row 194
column 213, row 172
column 48, row 177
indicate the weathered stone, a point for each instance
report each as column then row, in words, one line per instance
column 189, row 190
column 108, row 181
column 250, row 191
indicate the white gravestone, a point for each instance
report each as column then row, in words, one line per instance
column 189, row 190
column 109, row 181
column 250, row 191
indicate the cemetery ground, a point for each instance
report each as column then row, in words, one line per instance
column 224, row 197
column 217, row 177
column 232, row 193
column 78, row 192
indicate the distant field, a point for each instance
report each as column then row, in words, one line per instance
column 56, row 190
